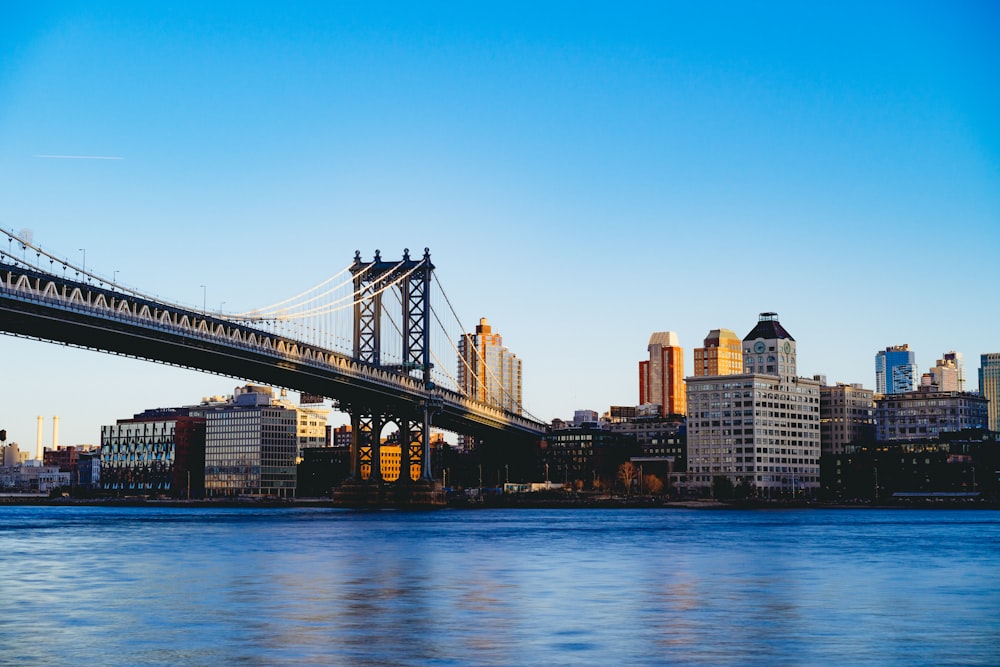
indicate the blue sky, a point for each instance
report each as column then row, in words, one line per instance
column 583, row 175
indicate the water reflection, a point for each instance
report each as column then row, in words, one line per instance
column 126, row 586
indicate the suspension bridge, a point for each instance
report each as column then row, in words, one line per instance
column 372, row 338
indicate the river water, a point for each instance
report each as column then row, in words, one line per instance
column 234, row 586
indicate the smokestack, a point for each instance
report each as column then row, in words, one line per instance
column 38, row 443
column 55, row 432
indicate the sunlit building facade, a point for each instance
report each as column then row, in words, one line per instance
column 722, row 354
column 487, row 371
column 311, row 425
column 661, row 377
column 948, row 373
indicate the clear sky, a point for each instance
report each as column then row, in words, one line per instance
column 584, row 174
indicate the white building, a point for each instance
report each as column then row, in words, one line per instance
column 759, row 429
column 948, row 373
column 311, row 423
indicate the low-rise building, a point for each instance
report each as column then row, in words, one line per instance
column 88, row 469
column 927, row 413
column 954, row 465
column 322, row 469
column 587, row 455
column 156, row 452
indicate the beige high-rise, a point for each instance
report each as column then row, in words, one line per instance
column 661, row 379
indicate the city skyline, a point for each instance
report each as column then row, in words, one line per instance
column 584, row 161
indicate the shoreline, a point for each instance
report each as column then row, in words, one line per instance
column 499, row 502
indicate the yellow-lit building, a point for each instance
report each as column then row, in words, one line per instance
column 722, row 354
column 390, row 459
column 661, row 379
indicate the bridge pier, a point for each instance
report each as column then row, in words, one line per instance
column 369, row 484
column 410, row 279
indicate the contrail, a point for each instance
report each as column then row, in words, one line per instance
column 81, row 157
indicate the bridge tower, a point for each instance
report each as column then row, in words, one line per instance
column 381, row 289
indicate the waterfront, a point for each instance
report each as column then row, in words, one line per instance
column 206, row 586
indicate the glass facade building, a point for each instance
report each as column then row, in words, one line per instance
column 895, row 370
column 251, row 448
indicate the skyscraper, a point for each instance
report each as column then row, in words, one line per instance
column 487, row 371
column 989, row 387
column 949, row 372
column 722, row 354
column 661, row 379
column 895, row 370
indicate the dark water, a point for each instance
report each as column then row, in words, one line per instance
column 139, row 586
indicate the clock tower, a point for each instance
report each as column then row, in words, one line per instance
column 769, row 349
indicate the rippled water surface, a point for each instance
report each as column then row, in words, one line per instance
column 169, row 586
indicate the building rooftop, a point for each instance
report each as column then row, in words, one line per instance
column 664, row 339
column 768, row 327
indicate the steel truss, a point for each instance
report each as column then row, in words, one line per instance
column 411, row 278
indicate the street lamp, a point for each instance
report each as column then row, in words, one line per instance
column 84, row 251
column 204, row 297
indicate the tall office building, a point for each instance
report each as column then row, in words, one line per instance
column 760, row 428
column 722, row 354
column 487, row 371
column 948, row 373
column 989, row 387
column 661, row 378
column 250, row 446
column 895, row 370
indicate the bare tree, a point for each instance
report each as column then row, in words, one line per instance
column 627, row 473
